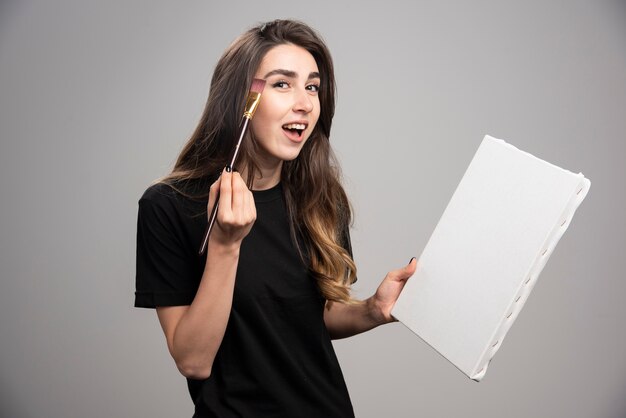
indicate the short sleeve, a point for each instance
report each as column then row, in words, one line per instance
column 165, row 270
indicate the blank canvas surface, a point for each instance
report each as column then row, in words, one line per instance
column 481, row 262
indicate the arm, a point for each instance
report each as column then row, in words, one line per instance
column 344, row 320
column 194, row 333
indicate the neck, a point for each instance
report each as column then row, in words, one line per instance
column 266, row 177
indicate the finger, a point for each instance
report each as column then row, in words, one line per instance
column 410, row 268
column 412, row 264
column 239, row 190
column 226, row 193
column 405, row 272
column 251, row 207
column 246, row 207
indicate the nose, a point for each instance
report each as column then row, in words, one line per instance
column 303, row 102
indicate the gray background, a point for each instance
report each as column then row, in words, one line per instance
column 97, row 98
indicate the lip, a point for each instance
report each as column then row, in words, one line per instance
column 301, row 122
column 292, row 136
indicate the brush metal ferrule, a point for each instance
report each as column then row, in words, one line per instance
column 251, row 104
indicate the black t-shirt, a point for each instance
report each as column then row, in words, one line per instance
column 276, row 358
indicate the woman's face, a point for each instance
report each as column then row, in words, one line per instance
column 289, row 107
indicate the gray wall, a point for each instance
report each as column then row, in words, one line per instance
column 97, row 98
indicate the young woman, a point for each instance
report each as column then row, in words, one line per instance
column 250, row 324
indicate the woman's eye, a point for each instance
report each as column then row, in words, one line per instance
column 313, row 87
column 281, row 84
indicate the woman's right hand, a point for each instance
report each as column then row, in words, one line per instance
column 236, row 213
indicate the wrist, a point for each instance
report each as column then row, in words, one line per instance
column 221, row 249
column 375, row 312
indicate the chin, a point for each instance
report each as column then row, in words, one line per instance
column 290, row 154
column 290, row 157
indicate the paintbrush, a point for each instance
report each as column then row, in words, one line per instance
column 254, row 97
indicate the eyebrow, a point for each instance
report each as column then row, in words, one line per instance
column 291, row 74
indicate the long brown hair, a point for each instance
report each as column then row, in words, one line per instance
column 317, row 205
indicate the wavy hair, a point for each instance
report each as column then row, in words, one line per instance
column 318, row 208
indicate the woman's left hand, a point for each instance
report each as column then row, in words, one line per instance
column 387, row 293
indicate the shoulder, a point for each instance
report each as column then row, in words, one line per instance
column 168, row 205
column 182, row 194
column 158, row 194
column 166, row 210
column 159, row 201
column 178, row 206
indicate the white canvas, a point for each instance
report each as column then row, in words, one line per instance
column 481, row 262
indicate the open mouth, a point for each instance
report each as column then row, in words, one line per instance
column 294, row 130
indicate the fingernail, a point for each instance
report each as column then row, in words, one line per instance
column 411, row 260
column 228, row 169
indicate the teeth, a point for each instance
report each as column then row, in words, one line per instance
column 294, row 126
